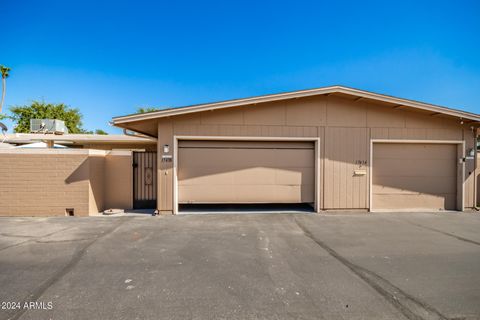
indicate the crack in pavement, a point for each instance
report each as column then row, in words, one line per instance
column 408, row 305
column 40, row 290
column 442, row 232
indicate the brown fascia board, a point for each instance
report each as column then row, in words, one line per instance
column 296, row 94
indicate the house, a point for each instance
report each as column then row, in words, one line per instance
column 333, row 148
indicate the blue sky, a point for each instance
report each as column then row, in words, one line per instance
column 108, row 58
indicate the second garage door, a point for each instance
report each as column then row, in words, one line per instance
column 246, row 172
column 414, row 176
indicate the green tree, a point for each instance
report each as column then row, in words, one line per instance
column 101, row 132
column 5, row 73
column 21, row 115
column 146, row 109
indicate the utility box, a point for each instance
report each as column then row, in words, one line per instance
column 53, row 126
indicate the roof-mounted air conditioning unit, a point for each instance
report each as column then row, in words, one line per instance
column 53, row 126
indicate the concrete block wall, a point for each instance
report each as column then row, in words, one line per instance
column 46, row 182
column 43, row 184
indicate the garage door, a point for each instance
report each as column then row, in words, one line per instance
column 414, row 176
column 245, row 172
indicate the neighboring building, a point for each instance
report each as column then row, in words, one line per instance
column 334, row 148
column 92, row 174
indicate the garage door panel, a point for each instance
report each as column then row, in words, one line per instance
column 245, row 194
column 307, row 193
column 291, row 194
column 253, row 194
column 270, row 172
column 236, row 158
column 432, row 185
column 209, row 176
column 267, row 176
column 293, row 158
column 231, row 158
column 294, row 176
column 254, row 176
column 414, row 151
column 416, row 175
column 226, row 158
column 205, row 193
column 415, row 167
column 189, row 173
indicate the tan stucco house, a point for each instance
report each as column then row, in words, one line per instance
column 334, row 148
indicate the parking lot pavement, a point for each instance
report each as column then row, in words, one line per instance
column 433, row 259
column 264, row 266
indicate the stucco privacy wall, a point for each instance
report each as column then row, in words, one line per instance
column 46, row 182
column 345, row 127
column 96, row 187
column 118, row 180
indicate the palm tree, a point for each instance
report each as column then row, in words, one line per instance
column 4, row 70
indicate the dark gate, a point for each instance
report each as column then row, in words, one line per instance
column 144, row 180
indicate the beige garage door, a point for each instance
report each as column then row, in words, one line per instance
column 245, row 172
column 414, row 176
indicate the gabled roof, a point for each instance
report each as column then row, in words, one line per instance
column 361, row 94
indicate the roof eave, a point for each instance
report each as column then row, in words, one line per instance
column 292, row 95
column 222, row 104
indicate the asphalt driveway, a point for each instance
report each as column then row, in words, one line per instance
column 264, row 266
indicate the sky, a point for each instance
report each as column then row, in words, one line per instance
column 108, row 58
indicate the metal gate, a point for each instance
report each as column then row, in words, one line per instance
column 144, row 180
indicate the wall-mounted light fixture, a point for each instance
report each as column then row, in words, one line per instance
column 166, row 148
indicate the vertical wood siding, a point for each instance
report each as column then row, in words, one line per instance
column 345, row 148
column 345, row 127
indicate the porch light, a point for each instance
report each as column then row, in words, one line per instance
column 166, row 148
